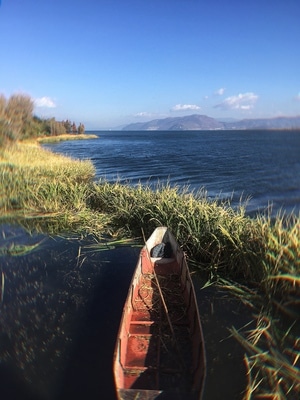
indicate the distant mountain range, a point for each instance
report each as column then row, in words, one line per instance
column 203, row 122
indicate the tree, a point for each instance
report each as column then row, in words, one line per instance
column 18, row 113
column 74, row 128
column 81, row 129
column 67, row 125
column 2, row 106
column 4, row 133
column 56, row 127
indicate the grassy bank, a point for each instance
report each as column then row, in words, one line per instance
column 60, row 138
column 36, row 183
column 256, row 259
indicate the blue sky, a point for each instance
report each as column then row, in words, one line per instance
column 110, row 62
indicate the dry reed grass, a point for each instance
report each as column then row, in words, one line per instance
column 68, row 136
column 36, row 182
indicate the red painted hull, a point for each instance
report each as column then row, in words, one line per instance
column 160, row 349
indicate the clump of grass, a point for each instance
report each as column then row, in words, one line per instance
column 272, row 360
column 282, row 255
column 46, row 189
column 272, row 347
column 35, row 180
column 31, row 158
column 219, row 239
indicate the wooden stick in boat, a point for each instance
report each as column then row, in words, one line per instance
column 2, row 286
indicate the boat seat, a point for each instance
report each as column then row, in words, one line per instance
column 162, row 260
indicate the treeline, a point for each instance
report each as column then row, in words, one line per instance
column 17, row 121
column 54, row 128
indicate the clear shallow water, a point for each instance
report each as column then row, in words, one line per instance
column 262, row 165
column 60, row 314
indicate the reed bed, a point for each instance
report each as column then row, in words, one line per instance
column 32, row 158
column 67, row 136
column 41, row 186
column 217, row 238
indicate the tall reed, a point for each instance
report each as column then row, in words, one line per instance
column 36, row 182
column 219, row 239
column 272, row 360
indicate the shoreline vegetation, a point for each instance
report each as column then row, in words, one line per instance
column 66, row 137
column 255, row 259
column 17, row 122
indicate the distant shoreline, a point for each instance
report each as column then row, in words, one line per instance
column 203, row 122
column 60, row 138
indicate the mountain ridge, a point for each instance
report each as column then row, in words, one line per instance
column 203, row 122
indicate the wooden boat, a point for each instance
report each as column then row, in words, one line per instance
column 159, row 351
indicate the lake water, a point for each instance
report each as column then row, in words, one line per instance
column 261, row 165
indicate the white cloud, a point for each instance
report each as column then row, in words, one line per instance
column 45, row 102
column 143, row 114
column 220, row 91
column 242, row 101
column 185, row 107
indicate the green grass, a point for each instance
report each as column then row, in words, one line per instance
column 271, row 359
column 256, row 259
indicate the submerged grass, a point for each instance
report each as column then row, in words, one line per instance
column 55, row 193
column 16, row 250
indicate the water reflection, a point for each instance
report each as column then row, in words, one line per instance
column 59, row 317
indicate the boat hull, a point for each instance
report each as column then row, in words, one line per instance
column 160, row 349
